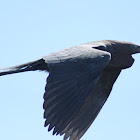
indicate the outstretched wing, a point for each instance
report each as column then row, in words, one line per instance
column 73, row 75
column 92, row 105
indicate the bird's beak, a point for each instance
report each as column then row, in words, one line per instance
column 138, row 48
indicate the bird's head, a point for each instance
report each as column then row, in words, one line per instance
column 114, row 46
column 122, row 47
column 121, row 52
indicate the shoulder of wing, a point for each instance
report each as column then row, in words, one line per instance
column 77, row 53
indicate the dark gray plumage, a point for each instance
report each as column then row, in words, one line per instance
column 79, row 82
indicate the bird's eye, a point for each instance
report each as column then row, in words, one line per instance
column 100, row 47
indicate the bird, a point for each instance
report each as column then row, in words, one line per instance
column 80, row 81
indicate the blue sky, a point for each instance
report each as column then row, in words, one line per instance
column 30, row 29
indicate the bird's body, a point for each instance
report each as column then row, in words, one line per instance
column 79, row 82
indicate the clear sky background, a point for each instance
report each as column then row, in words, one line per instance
column 30, row 29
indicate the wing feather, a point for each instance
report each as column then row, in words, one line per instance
column 70, row 82
column 91, row 107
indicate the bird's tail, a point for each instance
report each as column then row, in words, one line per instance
column 31, row 66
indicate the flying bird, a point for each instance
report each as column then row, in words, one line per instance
column 79, row 82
